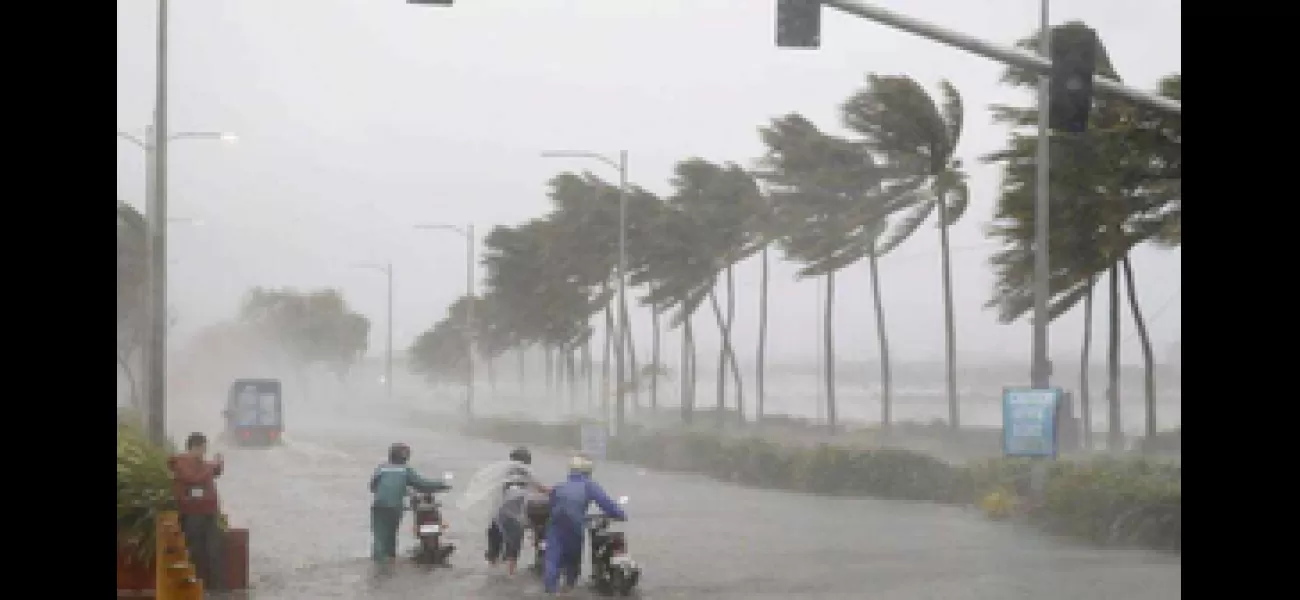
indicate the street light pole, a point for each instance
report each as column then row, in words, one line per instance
column 388, row 350
column 1040, row 372
column 620, row 406
column 470, row 322
column 156, row 247
column 471, row 300
column 621, row 331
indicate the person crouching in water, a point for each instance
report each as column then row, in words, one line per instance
column 389, row 485
column 506, row 534
column 564, row 532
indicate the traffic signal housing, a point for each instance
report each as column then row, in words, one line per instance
column 798, row 23
column 1074, row 59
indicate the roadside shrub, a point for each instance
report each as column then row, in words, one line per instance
column 1107, row 500
column 143, row 490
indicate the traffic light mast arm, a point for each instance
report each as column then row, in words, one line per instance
column 1009, row 56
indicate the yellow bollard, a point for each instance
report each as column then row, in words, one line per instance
column 175, row 577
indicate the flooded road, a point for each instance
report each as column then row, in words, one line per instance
column 306, row 506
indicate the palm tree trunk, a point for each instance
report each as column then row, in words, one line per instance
column 722, row 358
column 762, row 340
column 1085, row 400
column 604, row 364
column 654, row 361
column 1115, row 435
column 588, row 372
column 949, row 322
column 523, row 379
column 886, row 400
column 550, row 369
column 688, row 373
column 1148, row 360
column 631, row 373
column 829, row 350
column 731, row 352
column 571, row 373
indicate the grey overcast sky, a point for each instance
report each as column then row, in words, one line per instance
column 359, row 118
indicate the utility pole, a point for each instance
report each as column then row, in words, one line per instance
column 156, row 352
column 470, row 322
column 388, row 352
column 1039, row 372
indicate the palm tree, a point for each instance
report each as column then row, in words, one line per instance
column 723, row 199
column 830, row 199
column 897, row 119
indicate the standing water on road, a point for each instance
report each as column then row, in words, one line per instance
column 306, row 506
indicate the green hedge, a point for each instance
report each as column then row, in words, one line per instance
column 1107, row 500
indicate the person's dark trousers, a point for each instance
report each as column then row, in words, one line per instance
column 203, row 540
column 494, row 543
column 384, row 523
column 512, row 537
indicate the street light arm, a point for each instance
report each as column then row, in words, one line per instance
column 574, row 154
column 134, row 140
column 374, row 267
column 224, row 136
column 444, row 226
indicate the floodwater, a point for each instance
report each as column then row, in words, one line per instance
column 306, row 506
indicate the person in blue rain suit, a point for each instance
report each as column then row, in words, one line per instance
column 389, row 485
column 564, row 534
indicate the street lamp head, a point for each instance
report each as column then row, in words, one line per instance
column 228, row 137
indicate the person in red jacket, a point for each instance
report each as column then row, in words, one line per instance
column 193, row 482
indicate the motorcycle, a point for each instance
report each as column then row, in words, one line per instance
column 612, row 570
column 538, row 514
column 430, row 527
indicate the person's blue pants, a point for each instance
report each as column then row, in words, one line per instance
column 563, row 553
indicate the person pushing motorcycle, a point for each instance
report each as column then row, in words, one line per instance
column 506, row 533
column 564, row 534
column 388, row 485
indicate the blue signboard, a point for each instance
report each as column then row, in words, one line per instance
column 1029, row 421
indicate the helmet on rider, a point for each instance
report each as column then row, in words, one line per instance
column 581, row 464
column 399, row 453
column 521, row 454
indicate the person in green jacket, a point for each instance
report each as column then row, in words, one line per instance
column 389, row 485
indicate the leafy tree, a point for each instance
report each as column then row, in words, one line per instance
column 132, row 291
column 1111, row 188
column 315, row 327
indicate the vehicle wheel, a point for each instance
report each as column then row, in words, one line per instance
column 429, row 550
column 618, row 583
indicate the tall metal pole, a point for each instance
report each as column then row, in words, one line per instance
column 157, row 247
column 622, row 297
column 469, row 320
column 1005, row 55
column 1039, row 372
column 388, row 352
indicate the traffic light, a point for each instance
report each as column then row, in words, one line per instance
column 1074, row 58
column 798, row 23
column 430, row 2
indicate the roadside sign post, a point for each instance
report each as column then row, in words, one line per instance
column 1029, row 428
